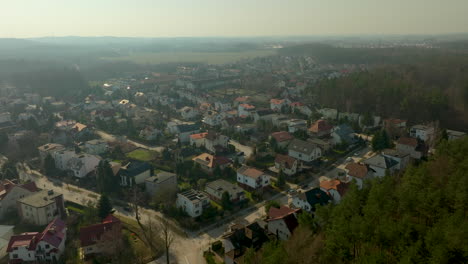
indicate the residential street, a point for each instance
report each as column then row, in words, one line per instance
column 110, row 138
column 186, row 248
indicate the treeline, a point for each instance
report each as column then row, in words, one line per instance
column 419, row 92
column 58, row 82
column 325, row 53
column 417, row 217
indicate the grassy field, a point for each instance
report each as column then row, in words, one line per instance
column 200, row 57
column 142, row 155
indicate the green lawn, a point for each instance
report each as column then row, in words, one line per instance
column 142, row 155
column 200, row 57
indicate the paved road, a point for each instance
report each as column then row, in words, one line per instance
column 188, row 248
column 109, row 137
column 246, row 149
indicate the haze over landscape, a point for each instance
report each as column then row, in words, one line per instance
column 237, row 132
column 206, row 18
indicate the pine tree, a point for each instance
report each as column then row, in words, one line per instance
column 104, row 206
column 226, row 201
column 281, row 179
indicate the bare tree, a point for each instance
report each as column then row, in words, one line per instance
column 167, row 236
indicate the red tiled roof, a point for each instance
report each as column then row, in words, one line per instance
column 54, row 233
column 278, row 213
column 357, row 170
column 22, row 240
column 394, row 121
column 199, row 135
column 294, row 104
column 285, row 160
column 211, row 161
column 408, row 141
column 282, row 136
column 242, row 99
column 320, row 126
column 339, row 186
column 90, row 235
column 276, row 101
column 247, row 106
column 250, row 172
column 30, row 186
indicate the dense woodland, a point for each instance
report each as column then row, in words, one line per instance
column 419, row 93
column 417, row 217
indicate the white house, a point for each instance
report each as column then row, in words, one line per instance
column 335, row 189
column 34, row 247
column 356, row 172
column 41, row 207
column 380, row 164
column 11, row 192
column 192, row 202
column 252, row 177
column 401, row 157
column 212, row 118
column 278, row 104
column 308, row 200
column 454, row 135
column 282, row 221
column 198, row 140
column 83, row 164
column 215, row 142
column 135, row 172
column 216, row 189
column 296, row 125
column 422, row 132
column 62, row 158
column 328, row 113
column 287, row 164
column 245, row 110
column 304, row 151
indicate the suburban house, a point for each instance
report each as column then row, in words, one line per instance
column 402, row 158
column 358, row 172
column 298, row 107
column 395, row 127
column 282, row 221
column 454, row 135
column 304, row 150
column 188, row 113
column 246, row 110
column 163, row 181
column 135, row 172
column 308, row 200
column 49, row 149
column 324, row 144
column 192, row 202
column 212, row 118
column 215, row 190
column 215, row 142
column 41, row 207
column 185, row 130
column 209, row 162
column 96, row 146
column 241, row 100
column 150, row 133
column 335, row 189
column 239, row 239
column 11, row 192
column 282, row 138
column 6, row 232
column 412, row 146
column 287, row 164
column 278, row 104
column 379, row 165
column 343, row 134
column 83, row 164
column 295, row 125
column 44, row 247
column 264, row 114
column 252, row 178
column 198, row 140
column 422, row 132
column 62, row 158
column 320, row 128
column 101, row 239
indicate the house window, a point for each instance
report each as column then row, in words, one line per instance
column 47, row 246
column 15, row 256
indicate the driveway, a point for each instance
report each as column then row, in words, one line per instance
column 248, row 151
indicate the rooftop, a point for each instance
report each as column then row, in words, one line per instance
column 250, row 172
column 40, row 199
column 193, row 195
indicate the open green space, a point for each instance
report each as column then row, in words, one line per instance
column 142, row 155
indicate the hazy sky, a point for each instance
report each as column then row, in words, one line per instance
column 161, row 18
